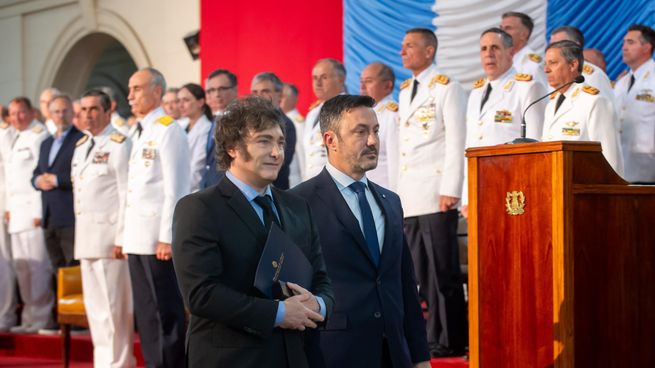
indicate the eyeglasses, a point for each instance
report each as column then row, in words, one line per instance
column 219, row 89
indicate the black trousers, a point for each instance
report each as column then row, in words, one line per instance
column 159, row 311
column 432, row 240
column 60, row 243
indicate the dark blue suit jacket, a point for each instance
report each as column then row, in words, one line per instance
column 58, row 203
column 370, row 302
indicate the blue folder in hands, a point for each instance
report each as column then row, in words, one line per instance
column 281, row 262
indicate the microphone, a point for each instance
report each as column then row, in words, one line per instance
column 523, row 139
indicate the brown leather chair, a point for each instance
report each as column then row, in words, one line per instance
column 70, row 306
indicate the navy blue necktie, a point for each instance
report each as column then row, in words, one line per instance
column 266, row 203
column 370, row 233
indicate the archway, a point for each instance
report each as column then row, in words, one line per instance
column 97, row 59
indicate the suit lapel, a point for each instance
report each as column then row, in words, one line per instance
column 327, row 191
column 238, row 202
column 66, row 144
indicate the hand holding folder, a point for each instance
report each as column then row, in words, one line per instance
column 281, row 262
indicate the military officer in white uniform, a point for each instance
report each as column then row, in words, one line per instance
column 7, row 277
column 23, row 213
column 593, row 75
column 635, row 99
column 328, row 78
column 99, row 173
column 432, row 131
column 377, row 81
column 288, row 106
column 496, row 103
column 159, row 175
column 578, row 112
column 526, row 60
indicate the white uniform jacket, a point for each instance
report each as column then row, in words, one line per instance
column 432, row 131
column 313, row 148
column 158, row 176
column 99, row 179
column 197, row 139
column 23, row 201
column 526, row 61
column 386, row 173
column 7, row 133
column 636, row 111
column 595, row 76
column 584, row 115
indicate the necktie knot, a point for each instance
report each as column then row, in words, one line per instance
column 139, row 129
column 91, row 144
column 414, row 89
column 266, row 203
column 560, row 99
column 632, row 82
column 358, row 187
column 485, row 97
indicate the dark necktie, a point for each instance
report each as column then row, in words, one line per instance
column 88, row 151
column 487, row 92
column 414, row 89
column 139, row 129
column 266, row 203
column 632, row 82
column 560, row 99
column 370, row 233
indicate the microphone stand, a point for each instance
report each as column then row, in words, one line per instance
column 523, row 139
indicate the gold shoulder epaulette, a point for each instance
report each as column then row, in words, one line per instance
column 314, row 104
column 534, row 57
column 81, row 141
column 4, row 125
column 405, row 83
column 587, row 69
column 119, row 122
column 590, row 90
column 478, row 83
column 439, row 78
column 117, row 137
column 522, row 77
column 392, row 106
column 37, row 129
column 165, row 120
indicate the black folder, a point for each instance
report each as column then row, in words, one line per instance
column 281, row 261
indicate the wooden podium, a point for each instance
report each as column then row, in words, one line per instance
column 561, row 259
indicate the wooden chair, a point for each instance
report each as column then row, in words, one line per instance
column 70, row 306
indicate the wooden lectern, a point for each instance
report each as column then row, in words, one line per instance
column 561, row 259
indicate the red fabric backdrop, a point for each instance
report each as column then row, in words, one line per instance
column 285, row 37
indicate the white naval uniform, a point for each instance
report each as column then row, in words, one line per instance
column 197, row 139
column 298, row 120
column 526, row 61
column 7, row 277
column 584, row 115
column 159, row 175
column 99, row 188
column 30, row 258
column 636, row 112
column 499, row 121
column 595, row 76
column 386, row 173
column 119, row 124
column 314, row 155
column 432, row 131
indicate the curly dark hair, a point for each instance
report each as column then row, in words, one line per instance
column 240, row 118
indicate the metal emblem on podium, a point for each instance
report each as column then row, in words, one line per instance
column 515, row 202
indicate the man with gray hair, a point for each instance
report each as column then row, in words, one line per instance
column 328, row 80
column 578, row 112
column 267, row 85
column 520, row 26
column 593, row 75
column 158, row 176
column 44, row 102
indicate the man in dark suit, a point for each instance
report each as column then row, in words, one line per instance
column 52, row 176
column 219, row 235
column 377, row 321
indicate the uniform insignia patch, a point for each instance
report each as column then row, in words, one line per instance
column 37, row 129
column 478, row 83
column 439, row 78
column 534, row 57
column 590, row 90
column 405, row 83
column 552, row 97
column 576, row 92
column 314, row 104
column 570, row 131
column 587, row 69
column 299, row 119
column 645, row 95
column 81, row 141
column 508, row 86
column 4, row 125
column 165, row 120
column 149, row 153
column 117, row 137
column 100, row 157
column 646, row 75
column 119, row 122
column 522, row 77
column 503, row 116
column 392, row 106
